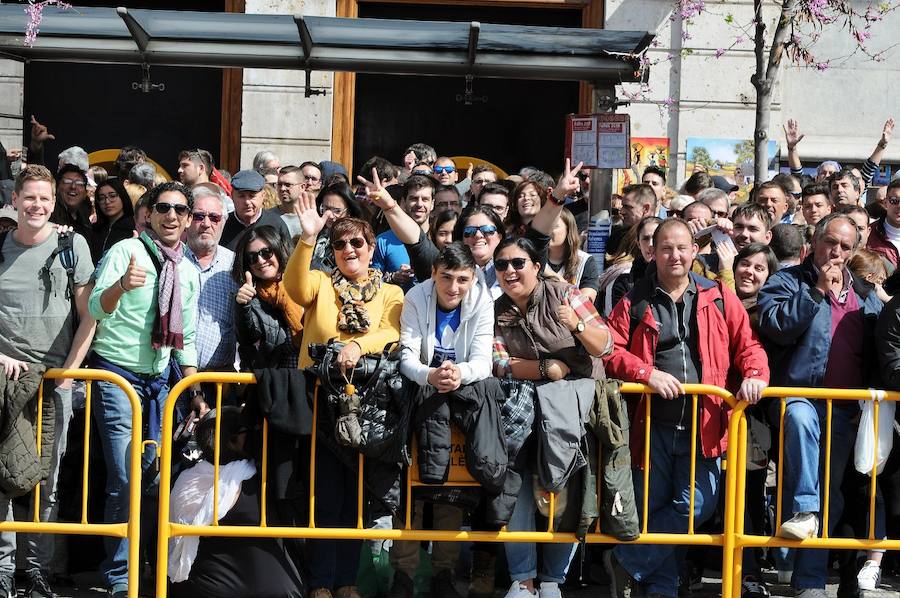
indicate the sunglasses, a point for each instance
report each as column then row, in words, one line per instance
column 252, row 257
column 517, row 263
column 355, row 243
column 443, row 169
column 894, row 201
column 213, row 217
column 74, row 183
column 484, row 229
column 422, row 172
column 164, row 207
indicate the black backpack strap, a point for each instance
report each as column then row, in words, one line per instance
column 640, row 300
column 149, row 247
column 2, row 241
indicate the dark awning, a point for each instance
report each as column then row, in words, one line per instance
column 216, row 39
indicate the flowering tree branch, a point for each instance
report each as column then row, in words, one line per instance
column 35, row 12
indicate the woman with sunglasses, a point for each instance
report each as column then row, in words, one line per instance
column 268, row 322
column 115, row 217
column 481, row 229
column 353, row 306
column 545, row 330
column 337, row 199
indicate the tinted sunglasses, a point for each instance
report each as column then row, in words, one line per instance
column 164, row 207
column 213, row 217
column 355, row 243
column 443, row 169
column 517, row 263
column 894, row 201
column 485, row 229
column 253, row 256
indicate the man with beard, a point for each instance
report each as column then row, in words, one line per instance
column 391, row 256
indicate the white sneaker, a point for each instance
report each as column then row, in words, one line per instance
column 800, row 527
column 549, row 589
column 869, row 576
column 519, row 591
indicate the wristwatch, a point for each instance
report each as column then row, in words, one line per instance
column 579, row 328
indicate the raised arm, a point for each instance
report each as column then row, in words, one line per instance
column 400, row 222
column 874, row 161
column 568, row 184
column 302, row 284
column 793, row 136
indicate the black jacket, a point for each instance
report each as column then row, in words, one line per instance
column 234, row 227
column 475, row 409
column 264, row 340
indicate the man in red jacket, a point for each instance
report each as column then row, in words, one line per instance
column 676, row 328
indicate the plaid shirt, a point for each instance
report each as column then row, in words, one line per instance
column 216, row 342
column 583, row 308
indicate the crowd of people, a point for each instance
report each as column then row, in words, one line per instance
column 506, row 330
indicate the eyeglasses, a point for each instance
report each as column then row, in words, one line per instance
column 484, row 229
column 334, row 210
column 481, row 181
column 105, row 197
column 720, row 213
column 74, row 183
column 355, row 243
column 251, row 257
column 311, row 179
column 517, row 263
column 443, row 169
column 288, row 185
column 797, row 194
column 164, row 207
column 213, row 217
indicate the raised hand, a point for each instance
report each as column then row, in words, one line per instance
column 887, row 133
column 376, row 193
column 792, row 134
column 39, row 133
column 311, row 222
column 135, row 276
column 247, row 291
column 568, row 183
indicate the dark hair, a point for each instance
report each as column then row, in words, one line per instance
column 269, row 235
column 816, row 189
column 153, row 194
column 129, row 157
column 483, row 168
column 750, row 210
column 440, row 220
column 754, row 248
column 787, row 181
column 82, row 213
column 525, row 245
column 423, row 152
column 513, row 218
column 230, row 426
column 342, row 190
column 315, row 165
column 773, row 184
column 472, row 210
column 419, row 181
column 845, row 173
column 669, row 223
column 343, row 226
column 895, row 184
column 198, row 156
column 495, row 188
column 455, row 256
column 127, row 207
column 787, row 241
column 450, row 188
column 384, row 167
column 643, row 193
column 851, row 209
column 654, row 170
column 697, row 182
column 70, row 168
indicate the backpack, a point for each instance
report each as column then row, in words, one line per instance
column 65, row 249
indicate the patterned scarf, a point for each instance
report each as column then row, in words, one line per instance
column 354, row 317
column 168, row 330
column 273, row 293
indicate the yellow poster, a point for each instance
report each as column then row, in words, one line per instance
column 645, row 151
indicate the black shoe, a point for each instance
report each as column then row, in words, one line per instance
column 754, row 588
column 38, row 586
column 442, row 585
column 619, row 579
column 402, row 586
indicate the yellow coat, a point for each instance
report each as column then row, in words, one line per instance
column 312, row 290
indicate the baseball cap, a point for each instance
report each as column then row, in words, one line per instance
column 720, row 182
column 247, row 180
column 680, row 202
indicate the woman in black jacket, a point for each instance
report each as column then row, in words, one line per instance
column 115, row 217
column 267, row 321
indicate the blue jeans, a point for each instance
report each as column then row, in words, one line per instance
column 657, row 566
column 804, row 467
column 112, row 414
column 521, row 557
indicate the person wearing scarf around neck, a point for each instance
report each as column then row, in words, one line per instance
column 268, row 323
column 145, row 320
column 354, row 306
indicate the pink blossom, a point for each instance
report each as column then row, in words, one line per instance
column 686, row 35
column 720, row 52
column 669, row 101
column 740, row 39
column 35, row 11
column 862, row 35
column 822, row 66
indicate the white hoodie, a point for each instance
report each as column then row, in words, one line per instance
column 474, row 337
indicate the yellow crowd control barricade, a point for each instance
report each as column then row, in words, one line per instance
column 458, row 477
column 739, row 424
column 130, row 529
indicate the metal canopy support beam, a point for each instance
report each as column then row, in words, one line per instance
column 138, row 34
column 474, row 32
column 305, row 37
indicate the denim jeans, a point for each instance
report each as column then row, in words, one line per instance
column 657, row 566
column 112, row 414
column 521, row 557
column 804, row 466
column 39, row 547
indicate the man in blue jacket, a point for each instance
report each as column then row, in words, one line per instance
column 818, row 320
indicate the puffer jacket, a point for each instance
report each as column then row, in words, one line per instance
column 20, row 467
column 264, row 340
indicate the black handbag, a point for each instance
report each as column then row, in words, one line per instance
column 378, row 413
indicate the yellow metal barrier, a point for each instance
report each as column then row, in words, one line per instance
column 129, row 530
column 167, row 529
column 743, row 541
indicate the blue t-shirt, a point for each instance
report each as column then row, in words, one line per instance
column 390, row 254
column 445, row 325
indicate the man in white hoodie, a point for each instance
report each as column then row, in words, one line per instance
column 446, row 332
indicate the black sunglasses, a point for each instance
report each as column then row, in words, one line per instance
column 485, row 229
column 517, row 263
column 355, row 243
column 213, row 217
column 164, row 207
column 252, row 257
